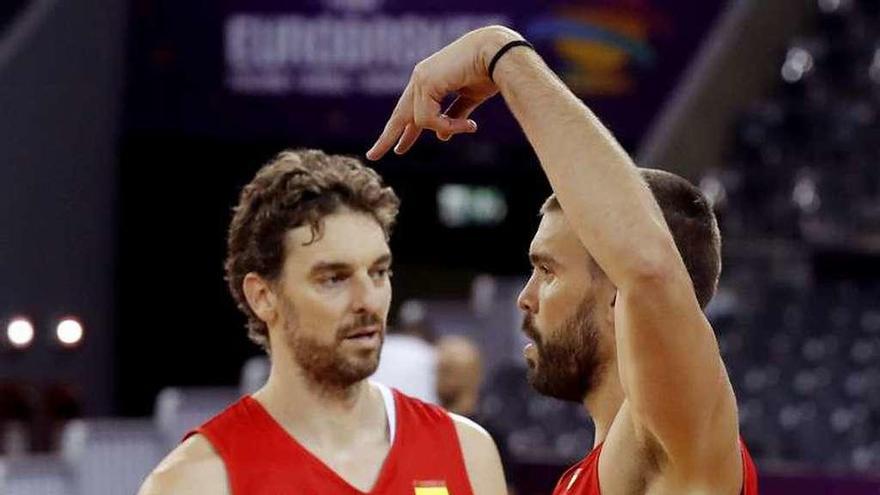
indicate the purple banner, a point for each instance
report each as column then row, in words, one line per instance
column 333, row 68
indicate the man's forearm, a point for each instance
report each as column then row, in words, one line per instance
column 599, row 188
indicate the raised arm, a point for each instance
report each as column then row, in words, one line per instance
column 668, row 358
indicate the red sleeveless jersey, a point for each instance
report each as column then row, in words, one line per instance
column 583, row 477
column 261, row 458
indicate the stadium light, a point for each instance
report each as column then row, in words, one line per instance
column 20, row 333
column 69, row 332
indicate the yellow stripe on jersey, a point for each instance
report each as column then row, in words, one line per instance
column 431, row 490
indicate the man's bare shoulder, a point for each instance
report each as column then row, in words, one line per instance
column 632, row 458
column 194, row 467
column 481, row 457
column 471, row 433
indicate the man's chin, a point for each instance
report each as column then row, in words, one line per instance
column 548, row 387
column 364, row 367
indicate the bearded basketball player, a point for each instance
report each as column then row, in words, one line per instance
column 623, row 263
column 309, row 265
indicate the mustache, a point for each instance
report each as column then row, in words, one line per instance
column 529, row 328
column 360, row 321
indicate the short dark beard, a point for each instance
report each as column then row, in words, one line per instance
column 569, row 364
column 323, row 364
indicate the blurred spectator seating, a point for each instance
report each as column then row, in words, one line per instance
column 35, row 474
column 109, row 456
column 181, row 409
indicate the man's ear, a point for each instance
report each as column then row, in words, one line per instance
column 260, row 297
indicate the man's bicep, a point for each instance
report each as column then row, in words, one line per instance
column 671, row 369
column 481, row 458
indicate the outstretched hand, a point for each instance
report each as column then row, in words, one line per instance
column 460, row 68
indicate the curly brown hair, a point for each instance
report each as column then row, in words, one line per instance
column 296, row 188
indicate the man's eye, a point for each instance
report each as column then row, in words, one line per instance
column 382, row 273
column 333, row 279
column 544, row 269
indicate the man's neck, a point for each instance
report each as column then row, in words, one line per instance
column 316, row 415
column 603, row 403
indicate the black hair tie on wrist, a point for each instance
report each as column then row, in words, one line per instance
column 502, row 51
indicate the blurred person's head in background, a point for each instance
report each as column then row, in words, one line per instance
column 459, row 374
column 569, row 301
column 308, row 263
column 409, row 358
column 412, row 319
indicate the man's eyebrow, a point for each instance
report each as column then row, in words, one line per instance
column 329, row 266
column 538, row 258
column 385, row 259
